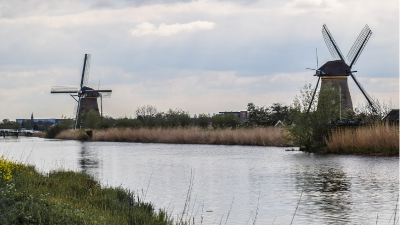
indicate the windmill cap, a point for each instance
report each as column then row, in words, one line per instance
column 90, row 94
column 335, row 68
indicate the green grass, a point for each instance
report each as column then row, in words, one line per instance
column 67, row 197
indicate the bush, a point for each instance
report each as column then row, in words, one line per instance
column 223, row 121
column 127, row 123
column 56, row 129
column 203, row 120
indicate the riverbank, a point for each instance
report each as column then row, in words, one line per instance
column 270, row 136
column 380, row 139
column 67, row 197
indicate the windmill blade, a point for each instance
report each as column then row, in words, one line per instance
column 331, row 44
column 77, row 113
column 106, row 94
column 359, row 45
column 63, row 89
column 312, row 99
column 85, row 70
column 370, row 101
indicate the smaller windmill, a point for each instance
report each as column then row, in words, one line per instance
column 87, row 96
column 335, row 72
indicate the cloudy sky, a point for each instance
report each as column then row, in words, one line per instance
column 203, row 56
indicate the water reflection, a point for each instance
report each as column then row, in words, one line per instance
column 89, row 161
column 327, row 190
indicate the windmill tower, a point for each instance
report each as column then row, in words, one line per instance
column 87, row 96
column 335, row 73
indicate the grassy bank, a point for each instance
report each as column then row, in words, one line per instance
column 66, row 197
column 270, row 136
column 379, row 139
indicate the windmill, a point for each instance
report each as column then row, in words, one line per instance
column 335, row 72
column 87, row 97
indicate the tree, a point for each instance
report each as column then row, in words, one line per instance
column 224, row 121
column 310, row 129
column 92, row 119
column 7, row 124
column 203, row 120
column 258, row 115
column 267, row 116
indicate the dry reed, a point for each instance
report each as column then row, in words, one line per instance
column 378, row 139
column 270, row 136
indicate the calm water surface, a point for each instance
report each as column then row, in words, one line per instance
column 246, row 183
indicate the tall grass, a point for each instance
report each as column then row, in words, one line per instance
column 378, row 139
column 67, row 197
column 270, row 136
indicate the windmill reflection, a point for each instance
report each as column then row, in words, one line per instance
column 328, row 190
column 89, row 161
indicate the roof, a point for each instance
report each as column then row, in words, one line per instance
column 90, row 94
column 335, row 68
column 393, row 115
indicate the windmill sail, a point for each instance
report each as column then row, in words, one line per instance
column 85, row 70
column 366, row 95
column 64, row 89
column 331, row 43
column 312, row 99
column 105, row 94
column 359, row 45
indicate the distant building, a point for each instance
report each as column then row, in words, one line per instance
column 20, row 121
column 241, row 114
column 392, row 117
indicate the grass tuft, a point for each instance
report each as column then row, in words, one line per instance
column 67, row 197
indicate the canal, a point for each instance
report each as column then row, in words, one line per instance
column 244, row 183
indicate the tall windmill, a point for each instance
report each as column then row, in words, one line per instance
column 87, row 97
column 335, row 72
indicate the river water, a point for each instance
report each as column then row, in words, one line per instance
column 231, row 184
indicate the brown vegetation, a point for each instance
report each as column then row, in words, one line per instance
column 270, row 136
column 378, row 139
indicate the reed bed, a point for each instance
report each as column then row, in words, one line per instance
column 270, row 136
column 378, row 139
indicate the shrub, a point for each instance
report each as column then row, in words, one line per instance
column 55, row 129
column 203, row 120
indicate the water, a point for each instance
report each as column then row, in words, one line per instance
column 247, row 183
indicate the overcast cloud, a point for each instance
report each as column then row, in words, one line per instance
column 202, row 56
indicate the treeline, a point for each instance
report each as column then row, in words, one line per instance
column 150, row 117
column 7, row 124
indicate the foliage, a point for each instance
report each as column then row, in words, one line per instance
column 367, row 115
column 91, row 119
column 149, row 116
column 7, row 124
column 55, row 129
column 268, row 116
column 105, row 123
column 8, row 168
column 127, row 123
column 203, row 120
column 310, row 129
column 224, row 121
column 66, row 197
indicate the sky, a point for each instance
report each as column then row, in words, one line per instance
column 202, row 56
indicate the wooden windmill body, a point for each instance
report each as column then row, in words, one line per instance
column 335, row 76
column 335, row 73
